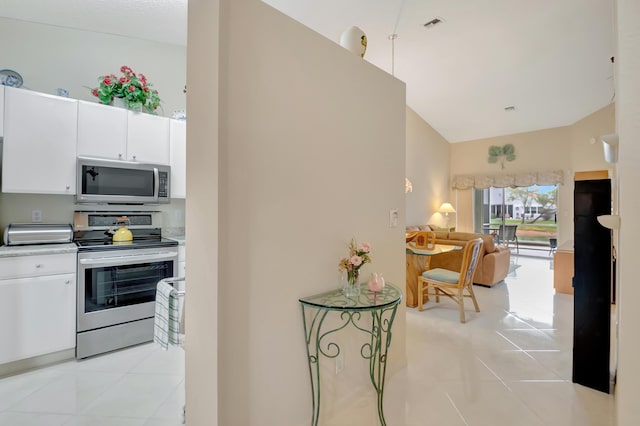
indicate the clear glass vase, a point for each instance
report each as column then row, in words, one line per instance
column 350, row 286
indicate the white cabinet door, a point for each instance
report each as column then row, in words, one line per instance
column 40, row 133
column 1, row 111
column 178, row 140
column 102, row 131
column 148, row 138
column 37, row 316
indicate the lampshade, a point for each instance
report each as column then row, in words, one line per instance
column 611, row 221
column 446, row 208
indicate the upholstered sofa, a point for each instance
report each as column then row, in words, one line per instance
column 492, row 268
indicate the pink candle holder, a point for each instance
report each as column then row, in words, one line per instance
column 376, row 282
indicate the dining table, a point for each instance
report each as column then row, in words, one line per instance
column 418, row 260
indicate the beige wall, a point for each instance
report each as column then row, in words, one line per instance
column 570, row 148
column 201, row 306
column 312, row 152
column 48, row 57
column 428, row 169
column 628, row 128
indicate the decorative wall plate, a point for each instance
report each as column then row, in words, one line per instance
column 179, row 114
column 10, row 78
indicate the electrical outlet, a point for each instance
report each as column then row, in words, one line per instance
column 36, row 216
column 339, row 364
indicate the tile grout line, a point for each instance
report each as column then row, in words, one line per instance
column 455, row 407
column 494, row 373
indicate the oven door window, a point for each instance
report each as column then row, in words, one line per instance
column 116, row 286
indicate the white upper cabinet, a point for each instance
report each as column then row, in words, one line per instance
column 109, row 132
column 178, row 139
column 102, row 131
column 148, row 138
column 40, row 134
column 1, row 111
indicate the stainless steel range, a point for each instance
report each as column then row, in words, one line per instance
column 117, row 281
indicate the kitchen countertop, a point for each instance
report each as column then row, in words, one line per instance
column 179, row 238
column 37, row 249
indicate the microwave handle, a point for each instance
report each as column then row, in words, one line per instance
column 156, row 184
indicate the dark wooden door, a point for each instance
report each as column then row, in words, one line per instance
column 592, row 285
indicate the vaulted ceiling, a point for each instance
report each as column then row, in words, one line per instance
column 548, row 59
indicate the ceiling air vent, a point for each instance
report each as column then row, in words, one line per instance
column 433, row 22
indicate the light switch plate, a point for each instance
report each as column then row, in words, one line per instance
column 393, row 218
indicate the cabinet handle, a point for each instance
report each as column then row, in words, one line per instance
column 134, row 158
column 68, row 187
column 38, row 265
column 120, row 156
column 67, row 282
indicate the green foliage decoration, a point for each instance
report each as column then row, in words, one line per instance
column 501, row 154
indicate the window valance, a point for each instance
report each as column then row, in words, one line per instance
column 512, row 180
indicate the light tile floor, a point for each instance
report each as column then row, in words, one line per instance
column 509, row 365
column 140, row 386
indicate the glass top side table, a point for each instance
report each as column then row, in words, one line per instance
column 353, row 310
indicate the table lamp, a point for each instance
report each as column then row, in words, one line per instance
column 446, row 208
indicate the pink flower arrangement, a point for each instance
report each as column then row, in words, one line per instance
column 358, row 256
column 134, row 89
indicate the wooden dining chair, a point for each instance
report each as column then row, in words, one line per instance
column 424, row 239
column 455, row 285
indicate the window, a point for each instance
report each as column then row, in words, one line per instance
column 532, row 208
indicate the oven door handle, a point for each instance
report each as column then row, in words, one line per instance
column 116, row 260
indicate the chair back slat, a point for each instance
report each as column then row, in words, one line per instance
column 470, row 259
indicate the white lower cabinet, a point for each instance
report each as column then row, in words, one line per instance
column 38, row 312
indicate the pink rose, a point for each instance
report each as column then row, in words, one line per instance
column 131, row 88
column 365, row 247
column 356, row 260
column 124, row 80
column 94, row 92
column 107, row 81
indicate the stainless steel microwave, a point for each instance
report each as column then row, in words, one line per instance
column 106, row 181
